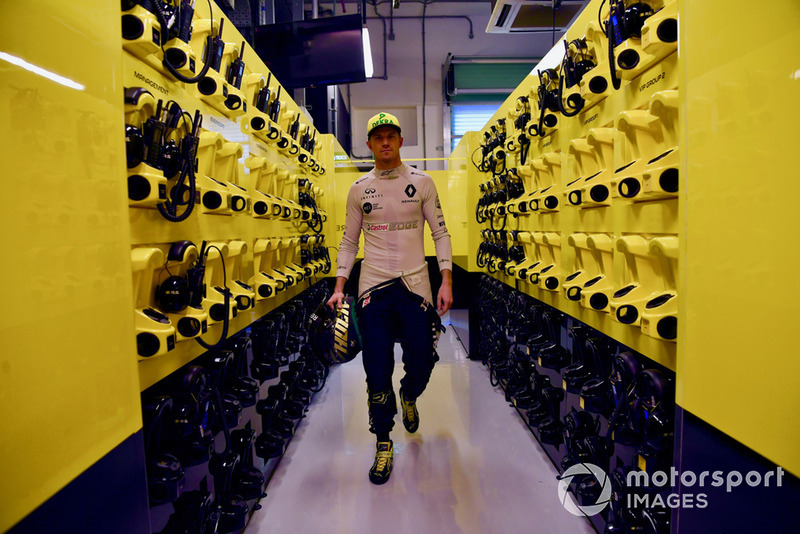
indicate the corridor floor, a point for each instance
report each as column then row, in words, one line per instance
column 472, row 467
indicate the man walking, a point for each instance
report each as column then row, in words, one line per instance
column 391, row 205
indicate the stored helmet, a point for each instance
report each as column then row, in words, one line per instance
column 334, row 336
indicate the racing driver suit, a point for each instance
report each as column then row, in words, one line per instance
column 391, row 208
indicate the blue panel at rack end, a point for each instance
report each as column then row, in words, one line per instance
column 756, row 504
column 108, row 498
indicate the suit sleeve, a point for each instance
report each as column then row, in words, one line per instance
column 348, row 248
column 432, row 211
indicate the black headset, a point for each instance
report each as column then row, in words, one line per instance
column 227, row 405
column 306, row 199
column 625, row 368
column 516, row 252
column 240, row 384
column 623, row 22
column 621, row 518
column 499, row 196
column 265, row 364
column 515, row 187
column 153, row 144
column 644, row 415
column 248, row 481
column 134, row 139
column 578, row 426
column 653, row 412
column 550, row 352
column 194, row 512
column 573, row 67
column 549, row 399
column 548, row 101
column 193, row 415
column 285, row 403
column 149, row 143
column 576, row 64
column 271, row 443
column 596, row 391
column 176, row 293
column 595, row 450
column 551, row 431
column 522, row 119
column 225, row 307
column 583, row 367
column 231, row 508
column 165, row 474
column 224, row 466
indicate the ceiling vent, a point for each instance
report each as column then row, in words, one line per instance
column 533, row 16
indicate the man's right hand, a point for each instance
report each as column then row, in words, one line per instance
column 336, row 299
column 338, row 294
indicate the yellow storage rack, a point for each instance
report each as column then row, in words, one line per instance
column 661, row 207
column 89, row 249
column 251, row 169
column 596, row 204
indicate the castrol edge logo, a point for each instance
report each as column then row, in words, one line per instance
column 391, row 227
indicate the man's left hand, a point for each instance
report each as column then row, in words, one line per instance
column 445, row 298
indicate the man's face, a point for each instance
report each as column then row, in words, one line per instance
column 385, row 143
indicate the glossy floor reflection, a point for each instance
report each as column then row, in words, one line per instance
column 472, row 467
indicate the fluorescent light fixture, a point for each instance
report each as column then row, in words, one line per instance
column 14, row 60
column 368, row 69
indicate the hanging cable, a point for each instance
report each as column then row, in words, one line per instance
column 226, row 292
column 424, row 85
column 561, row 107
column 188, row 156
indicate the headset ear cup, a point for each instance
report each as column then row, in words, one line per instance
column 173, row 294
column 170, row 159
column 178, row 250
column 133, row 94
column 194, row 380
column 134, row 146
column 625, row 368
column 166, row 479
column 134, row 138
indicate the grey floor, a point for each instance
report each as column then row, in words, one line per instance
column 472, row 467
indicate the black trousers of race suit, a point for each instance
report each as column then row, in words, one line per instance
column 387, row 313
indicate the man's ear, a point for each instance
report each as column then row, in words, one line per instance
column 369, row 145
column 401, row 141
